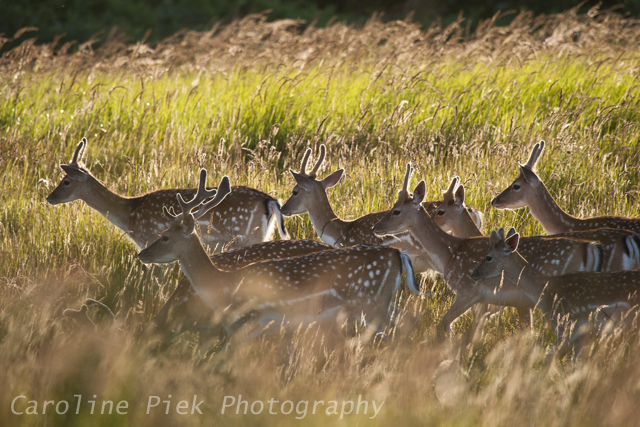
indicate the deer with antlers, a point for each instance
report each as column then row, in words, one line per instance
column 326, row 287
column 310, row 195
column 529, row 190
column 246, row 217
column 620, row 248
column 577, row 295
column 454, row 216
column 186, row 305
column 455, row 258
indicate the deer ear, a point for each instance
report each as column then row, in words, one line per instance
column 419, row 193
column 301, row 180
column 74, row 173
column 459, row 197
column 511, row 242
column 224, row 187
column 529, row 175
column 332, row 179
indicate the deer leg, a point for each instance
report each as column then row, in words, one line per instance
column 524, row 316
column 479, row 310
column 178, row 294
column 185, row 304
column 461, row 304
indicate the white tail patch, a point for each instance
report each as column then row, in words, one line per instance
column 631, row 259
column 410, row 278
column 275, row 218
column 594, row 259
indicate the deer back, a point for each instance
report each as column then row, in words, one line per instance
column 550, row 256
column 357, row 281
column 579, row 295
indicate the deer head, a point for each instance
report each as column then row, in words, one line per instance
column 308, row 189
column 498, row 258
column 452, row 206
column 521, row 192
column 405, row 210
column 72, row 185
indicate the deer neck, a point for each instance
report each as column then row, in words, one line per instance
column 201, row 272
column 520, row 272
column 467, row 226
column 553, row 219
column 115, row 208
column 436, row 245
column 326, row 223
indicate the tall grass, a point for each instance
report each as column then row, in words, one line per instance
column 246, row 100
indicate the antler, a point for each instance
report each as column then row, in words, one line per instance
column 447, row 195
column 224, row 188
column 305, row 159
column 404, row 193
column 77, row 155
column 323, row 152
column 535, row 154
column 496, row 236
column 201, row 195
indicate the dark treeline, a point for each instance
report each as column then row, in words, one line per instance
column 80, row 19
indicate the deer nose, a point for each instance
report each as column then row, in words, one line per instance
column 142, row 256
column 494, row 202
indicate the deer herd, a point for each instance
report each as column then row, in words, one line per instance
column 582, row 271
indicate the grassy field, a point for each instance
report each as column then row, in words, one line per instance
column 246, row 100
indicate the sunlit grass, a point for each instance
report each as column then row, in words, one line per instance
column 246, row 102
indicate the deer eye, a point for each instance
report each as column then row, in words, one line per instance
column 516, row 186
column 440, row 213
column 488, row 258
column 65, row 182
column 165, row 238
column 396, row 212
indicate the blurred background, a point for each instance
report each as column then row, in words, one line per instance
column 151, row 20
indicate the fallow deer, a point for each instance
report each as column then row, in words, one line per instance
column 246, row 217
column 310, row 195
column 577, row 295
column 358, row 282
column 455, row 258
column 453, row 216
column 620, row 248
column 187, row 306
column 529, row 190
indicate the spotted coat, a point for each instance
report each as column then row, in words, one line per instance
column 187, row 306
column 356, row 283
column 242, row 219
column 456, row 258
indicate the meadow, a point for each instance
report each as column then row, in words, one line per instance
column 246, row 100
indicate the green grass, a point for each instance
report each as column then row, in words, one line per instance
column 246, row 102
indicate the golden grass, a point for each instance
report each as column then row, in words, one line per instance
column 246, row 100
